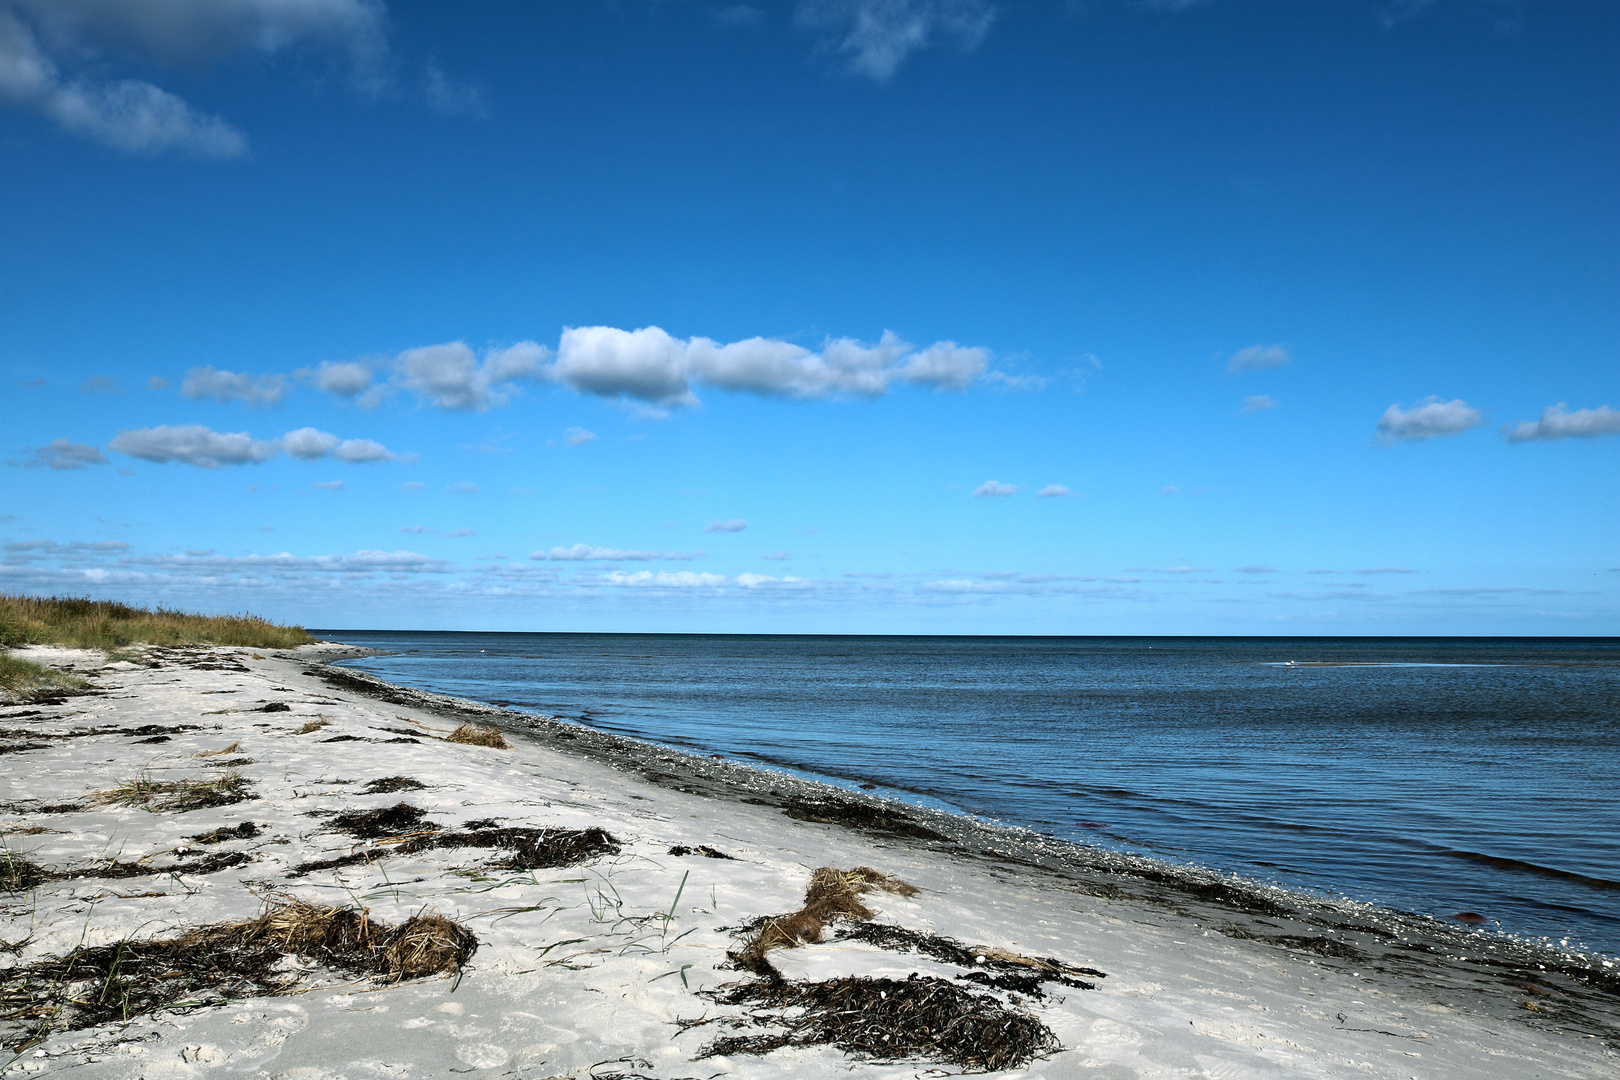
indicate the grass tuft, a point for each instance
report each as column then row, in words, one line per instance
column 478, row 736
column 80, row 622
column 25, row 679
column 178, row 796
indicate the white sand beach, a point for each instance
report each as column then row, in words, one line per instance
column 597, row 969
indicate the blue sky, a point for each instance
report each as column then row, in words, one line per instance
column 886, row 316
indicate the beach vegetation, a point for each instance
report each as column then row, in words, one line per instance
column 27, row 680
column 95, row 985
column 177, row 796
column 474, row 735
column 82, row 623
column 313, row 726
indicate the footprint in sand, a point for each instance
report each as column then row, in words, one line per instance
column 481, row 1055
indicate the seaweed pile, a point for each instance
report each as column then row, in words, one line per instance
column 921, row 1018
column 94, row 985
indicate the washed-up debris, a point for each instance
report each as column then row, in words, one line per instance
column 247, row 830
column 526, row 848
column 472, row 735
column 178, row 796
column 924, row 1019
column 859, row 815
column 702, row 849
column 91, row 986
column 982, row 958
column 397, row 820
column 390, row 784
column 832, row 895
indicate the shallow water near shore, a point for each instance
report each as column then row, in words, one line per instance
column 1432, row 775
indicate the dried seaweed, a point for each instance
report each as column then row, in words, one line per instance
column 702, row 849
column 396, row 820
column 979, row 957
column 886, row 1020
column 527, row 849
column 390, row 784
column 179, row 796
column 91, row 986
column 859, row 815
column 472, row 735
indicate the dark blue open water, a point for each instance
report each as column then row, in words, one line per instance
column 1432, row 775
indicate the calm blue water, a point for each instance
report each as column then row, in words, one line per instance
column 1432, row 775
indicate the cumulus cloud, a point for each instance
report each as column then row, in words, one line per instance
column 328, row 485
column 41, row 38
column 193, row 444
column 1427, row 420
column 1052, row 491
column 344, row 379
column 587, row 553
column 651, row 366
column 731, row 526
column 578, row 436
column 1258, row 358
column 875, row 37
column 210, row 382
column 1259, row 403
column 64, row 455
column 451, row 377
column 992, row 489
column 1558, row 423
column 463, row 487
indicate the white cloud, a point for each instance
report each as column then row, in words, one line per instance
column 39, row 37
column 945, row 365
column 328, row 485
column 587, row 553
column 209, row 382
column 344, row 379
column 1169, row 489
column 140, row 118
column 193, row 444
column 875, row 37
column 451, row 377
column 1259, row 403
column 1184, row 570
column 464, row 487
column 733, row 525
column 1386, row 570
column 309, row 444
column 100, row 384
column 64, row 455
column 578, row 436
column 1558, row 423
column 776, row 556
column 452, row 97
column 412, row 485
column 1428, row 420
column 1053, row 491
column 364, row 451
column 649, row 365
column 991, row 489
column 1258, row 358
column 1261, row 570
column 680, row 579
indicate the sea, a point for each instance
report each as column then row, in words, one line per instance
column 1439, row 776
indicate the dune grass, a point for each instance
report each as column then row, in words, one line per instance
column 25, row 678
column 80, row 622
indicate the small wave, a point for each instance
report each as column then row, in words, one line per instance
column 1522, row 867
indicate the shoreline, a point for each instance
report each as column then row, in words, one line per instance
column 1206, row 944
